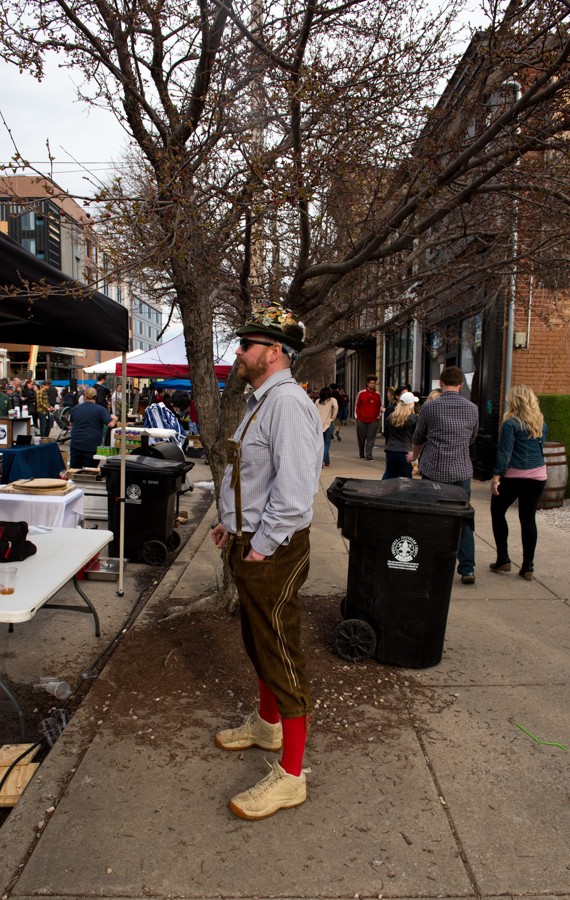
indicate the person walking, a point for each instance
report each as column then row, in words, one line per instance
column 443, row 435
column 29, row 397
column 401, row 426
column 44, row 408
column 5, row 399
column 343, row 404
column 87, row 423
column 102, row 392
column 339, row 395
column 52, row 393
column 67, row 397
column 117, row 402
column 327, row 408
column 393, row 395
column 519, row 474
column 367, row 412
column 266, row 503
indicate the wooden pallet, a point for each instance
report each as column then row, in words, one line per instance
column 21, row 774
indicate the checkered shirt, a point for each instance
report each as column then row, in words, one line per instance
column 447, row 427
column 280, row 464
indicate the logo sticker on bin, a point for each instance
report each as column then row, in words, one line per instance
column 133, row 494
column 404, row 551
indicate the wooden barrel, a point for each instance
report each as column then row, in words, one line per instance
column 557, row 468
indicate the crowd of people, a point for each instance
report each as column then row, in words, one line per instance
column 36, row 399
column 91, row 411
column 436, row 439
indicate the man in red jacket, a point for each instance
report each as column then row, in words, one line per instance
column 367, row 413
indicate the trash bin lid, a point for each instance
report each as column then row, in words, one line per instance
column 409, row 494
column 148, row 464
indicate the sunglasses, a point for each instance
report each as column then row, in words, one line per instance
column 246, row 343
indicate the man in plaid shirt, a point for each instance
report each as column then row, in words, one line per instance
column 44, row 408
column 445, row 430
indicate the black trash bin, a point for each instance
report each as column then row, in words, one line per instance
column 404, row 535
column 151, row 487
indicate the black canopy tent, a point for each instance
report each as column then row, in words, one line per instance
column 39, row 305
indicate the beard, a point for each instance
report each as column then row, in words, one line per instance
column 252, row 372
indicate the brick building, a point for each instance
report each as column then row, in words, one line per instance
column 510, row 322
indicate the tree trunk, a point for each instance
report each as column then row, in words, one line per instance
column 219, row 414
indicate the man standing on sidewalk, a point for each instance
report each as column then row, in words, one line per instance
column 367, row 413
column 446, row 430
column 266, row 504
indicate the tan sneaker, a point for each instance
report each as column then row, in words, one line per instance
column 278, row 790
column 255, row 732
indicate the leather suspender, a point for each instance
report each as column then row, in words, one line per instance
column 234, row 456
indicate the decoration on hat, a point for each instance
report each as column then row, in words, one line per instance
column 272, row 314
column 272, row 318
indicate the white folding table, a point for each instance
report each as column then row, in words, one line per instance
column 61, row 554
column 36, row 509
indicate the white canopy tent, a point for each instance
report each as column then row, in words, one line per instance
column 107, row 367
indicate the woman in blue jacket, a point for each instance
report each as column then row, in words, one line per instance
column 519, row 474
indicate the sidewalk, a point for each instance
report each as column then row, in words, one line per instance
column 450, row 799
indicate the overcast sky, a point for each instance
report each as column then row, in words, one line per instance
column 37, row 112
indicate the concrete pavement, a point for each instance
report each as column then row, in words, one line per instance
column 456, row 801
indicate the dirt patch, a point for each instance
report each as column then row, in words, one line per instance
column 192, row 668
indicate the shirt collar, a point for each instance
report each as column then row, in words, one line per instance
column 276, row 378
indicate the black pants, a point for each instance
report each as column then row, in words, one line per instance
column 81, row 459
column 396, row 465
column 527, row 491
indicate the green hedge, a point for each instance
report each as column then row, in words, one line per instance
column 556, row 411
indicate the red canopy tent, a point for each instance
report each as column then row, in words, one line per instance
column 168, row 360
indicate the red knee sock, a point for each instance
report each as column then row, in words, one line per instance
column 294, row 739
column 267, row 704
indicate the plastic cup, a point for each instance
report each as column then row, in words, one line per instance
column 48, row 727
column 7, row 579
column 59, row 689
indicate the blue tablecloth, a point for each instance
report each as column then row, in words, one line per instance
column 34, row 461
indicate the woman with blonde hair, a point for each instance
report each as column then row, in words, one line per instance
column 401, row 426
column 519, row 474
column 327, row 408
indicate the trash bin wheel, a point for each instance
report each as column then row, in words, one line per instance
column 354, row 639
column 173, row 541
column 154, row 553
column 343, row 607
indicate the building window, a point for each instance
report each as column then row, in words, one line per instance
column 470, row 338
column 29, row 244
column 400, row 357
column 459, row 344
column 28, row 221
